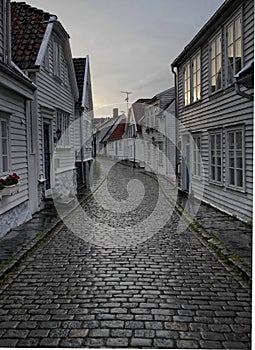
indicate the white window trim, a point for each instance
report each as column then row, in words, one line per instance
column 215, row 132
column 57, row 58
column 194, row 146
column 189, row 64
column 227, row 24
column 219, row 34
column 65, row 132
column 228, row 185
column 5, row 118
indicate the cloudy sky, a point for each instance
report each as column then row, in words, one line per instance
column 131, row 43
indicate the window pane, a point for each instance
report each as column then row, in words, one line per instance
column 239, row 160
column 231, row 143
column 213, row 172
column 218, row 47
column 4, row 128
column 238, row 28
column 230, row 34
column 213, row 54
column 239, row 140
column 231, row 176
column 231, row 159
column 212, row 141
column 218, row 141
column 4, row 146
column 218, row 178
column 5, row 163
column 239, row 178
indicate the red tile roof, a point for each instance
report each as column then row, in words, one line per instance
column 118, row 131
column 27, row 33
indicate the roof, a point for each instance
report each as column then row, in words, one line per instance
column 79, row 67
column 28, row 31
column 138, row 108
column 118, row 131
column 165, row 98
column 225, row 10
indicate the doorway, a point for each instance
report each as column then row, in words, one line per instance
column 47, row 154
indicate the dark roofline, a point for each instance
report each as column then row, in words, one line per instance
column 208, row 29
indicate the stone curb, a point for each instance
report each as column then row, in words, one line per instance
column 15, row 260
column 226, row 255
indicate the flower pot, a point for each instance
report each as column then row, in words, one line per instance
column 11, row 190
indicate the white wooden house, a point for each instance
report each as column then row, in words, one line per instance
column 134, row 144
column 16, row 92
column 215, row 110
column 159, row 130
column 41, row 49
column 83, row 125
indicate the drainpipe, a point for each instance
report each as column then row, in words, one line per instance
column 176, row 124
column 241, row 93
column 8, row 32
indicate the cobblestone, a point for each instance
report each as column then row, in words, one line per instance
column 165, row 290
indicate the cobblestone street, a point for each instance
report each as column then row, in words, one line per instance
column 126, row 271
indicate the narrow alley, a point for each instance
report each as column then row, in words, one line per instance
column 125, row 271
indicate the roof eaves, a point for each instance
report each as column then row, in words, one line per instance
column 207, row 30
column 45, row 40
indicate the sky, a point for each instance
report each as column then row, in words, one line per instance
column 131, row 43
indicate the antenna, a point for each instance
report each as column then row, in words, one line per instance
column 127, row 98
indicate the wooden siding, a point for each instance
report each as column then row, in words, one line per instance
column 55, row 93
column 13, row 106
column 222, row 110
column 2, row 20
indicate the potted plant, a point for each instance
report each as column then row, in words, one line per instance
column 10, row 184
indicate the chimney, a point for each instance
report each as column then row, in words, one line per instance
column 115, row 112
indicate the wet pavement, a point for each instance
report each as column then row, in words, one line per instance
column 150, row 282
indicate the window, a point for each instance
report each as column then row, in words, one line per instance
column 235, row 158
column 63, row 121
column 56, row 59
column 187, row 85
column 197, row 155
column 160, row 148
column 196, row 78
column 46, row 59
column 4, row 146
column 216, row 71
column 216, row 156
column 234, row 48
column 192, row 80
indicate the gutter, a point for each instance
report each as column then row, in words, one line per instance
column 176, row 123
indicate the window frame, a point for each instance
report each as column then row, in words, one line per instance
column 234, row 186
column 5, row 119
column 188, row 80
column 57, row 59
column 196, row 156
column 219, row 35
column 214, row 133
column 233, row 19
column 64, row 127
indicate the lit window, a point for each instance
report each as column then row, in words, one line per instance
column 235, row 158
column 187, row 85
column 216, row 71
column 234, row 49
column 196, row 69
column 192, row 80
column 216, row 156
